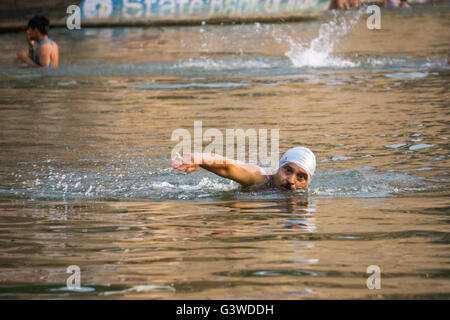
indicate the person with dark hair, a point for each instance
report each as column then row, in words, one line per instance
column 45, row 53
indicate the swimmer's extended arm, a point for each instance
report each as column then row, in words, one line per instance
column 245, row 174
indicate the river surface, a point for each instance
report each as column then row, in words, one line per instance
column 85, row 176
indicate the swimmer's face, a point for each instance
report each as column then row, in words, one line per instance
column 291, row 177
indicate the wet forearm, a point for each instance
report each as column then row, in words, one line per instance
column 245, row 174
column 214, row 163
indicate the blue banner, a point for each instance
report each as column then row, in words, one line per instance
column 124, row 10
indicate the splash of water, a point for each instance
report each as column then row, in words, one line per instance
column 137, row 179
column 319, row 51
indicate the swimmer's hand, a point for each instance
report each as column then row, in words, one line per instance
column 184, row 163
column 30, row 42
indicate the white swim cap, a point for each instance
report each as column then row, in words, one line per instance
column 301, row 156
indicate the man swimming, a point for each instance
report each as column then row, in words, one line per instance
column 45, row 54
column 295, row 169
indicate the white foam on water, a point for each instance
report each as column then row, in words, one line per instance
column 144, row 180
column 319, row 51
column 162, row 185
column 211, row 185
column 221, row 64
column 362, row 182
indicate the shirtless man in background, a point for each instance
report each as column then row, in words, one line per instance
column 45, row 53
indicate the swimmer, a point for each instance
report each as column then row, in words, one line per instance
column 295, row 169
column 45, row 54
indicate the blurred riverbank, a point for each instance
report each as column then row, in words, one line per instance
column 14, row 15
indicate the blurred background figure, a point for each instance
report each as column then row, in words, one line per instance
column 395, row 3
column 42, row 51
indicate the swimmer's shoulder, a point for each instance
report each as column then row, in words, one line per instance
column 49, row 46
column 52, row 49
column 267, row 182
